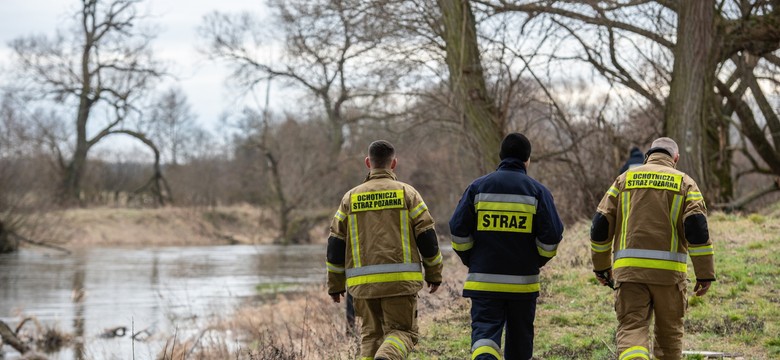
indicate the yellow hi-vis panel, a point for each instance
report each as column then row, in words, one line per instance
column 653, row 180
column 507, row 221
column 377, row 200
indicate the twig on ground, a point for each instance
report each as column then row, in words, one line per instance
column 39, row 243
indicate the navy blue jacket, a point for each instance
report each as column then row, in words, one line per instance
column 504, row 229
column 636, row 158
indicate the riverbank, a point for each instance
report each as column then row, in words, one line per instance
column 575, row 319
column 739, row 317
column 167, row 226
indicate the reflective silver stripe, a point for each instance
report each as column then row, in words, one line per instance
column 613, row 191
column 383, row 268
column 418, row 210
column 674, row 213
column 601, row 247
column 395, row 341
column 651, row 254
column 436, row 260
column 485, row 342
column 694, row 195
column 340, row 215
column 501, row 278
column 546, row 247
column 334, row 268
column 353, row 237
column 462, row 240
column 625, row 205
column 701, row 250
column 512, row 198
column 635, row 352
column 405, row 236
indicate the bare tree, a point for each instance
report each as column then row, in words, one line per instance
column 327, row 53
column 25, row 173
column 685, row 46
column 102, row 67
column 290, row 153
column 172, row 125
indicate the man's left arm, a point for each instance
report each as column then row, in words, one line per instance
column 548, row 228
column 427, row 241
column 697, row 235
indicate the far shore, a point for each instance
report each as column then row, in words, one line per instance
column 159, row 227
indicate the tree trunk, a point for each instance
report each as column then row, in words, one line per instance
column 467, row 80
column 74, row 171
column 689, row 106
column 71, row 192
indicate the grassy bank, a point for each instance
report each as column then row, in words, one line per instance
column 575, row 318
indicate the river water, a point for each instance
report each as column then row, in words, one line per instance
column 162, row 290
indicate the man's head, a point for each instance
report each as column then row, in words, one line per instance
column 381, row 155
column 667, row 145
column 515, row 145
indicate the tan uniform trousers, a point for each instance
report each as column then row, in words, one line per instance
column 389, row 329
column 635, row 305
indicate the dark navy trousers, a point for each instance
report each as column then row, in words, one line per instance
column 489, row 317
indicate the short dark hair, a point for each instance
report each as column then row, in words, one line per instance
column 515, row 145
column 381, row 153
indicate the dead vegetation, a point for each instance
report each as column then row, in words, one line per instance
column 166, row 226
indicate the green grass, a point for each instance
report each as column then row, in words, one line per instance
column 273, row 288
column 575, row 318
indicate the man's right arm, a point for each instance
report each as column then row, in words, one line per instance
column 462, row 226
column 602, row 232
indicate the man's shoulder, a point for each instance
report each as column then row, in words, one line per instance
column 651, row 167
column 380, row 185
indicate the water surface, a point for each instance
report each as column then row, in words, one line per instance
column 161, row 290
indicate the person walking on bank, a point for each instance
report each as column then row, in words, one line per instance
column 649, row 221
column 635, row 158
column 381, row 233
column 504, row 229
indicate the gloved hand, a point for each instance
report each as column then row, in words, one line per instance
column 701, row 287
column 337, row 296
column 605, row 278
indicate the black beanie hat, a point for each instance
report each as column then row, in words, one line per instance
column 515, row 145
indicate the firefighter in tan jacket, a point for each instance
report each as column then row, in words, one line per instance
column 381, row 239
column 648, row 223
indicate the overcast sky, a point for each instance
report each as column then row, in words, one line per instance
column 201, row 79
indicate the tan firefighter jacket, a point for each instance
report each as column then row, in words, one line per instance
column 646, row 208
column 377, row 237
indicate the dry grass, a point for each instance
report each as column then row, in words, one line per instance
column 169, row 226
column 296, row 326
column 307, row 325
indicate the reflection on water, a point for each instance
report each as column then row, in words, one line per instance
column 162, row 291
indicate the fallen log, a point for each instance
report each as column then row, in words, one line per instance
column 10, row 338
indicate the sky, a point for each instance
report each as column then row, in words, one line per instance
column 202, row 80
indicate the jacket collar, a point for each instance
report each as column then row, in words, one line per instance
column 660, row 158
column 513, row 164
column 381, row 174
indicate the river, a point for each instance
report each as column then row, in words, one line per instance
column 162, row 290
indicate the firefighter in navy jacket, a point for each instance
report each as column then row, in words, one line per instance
column 504, row 229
